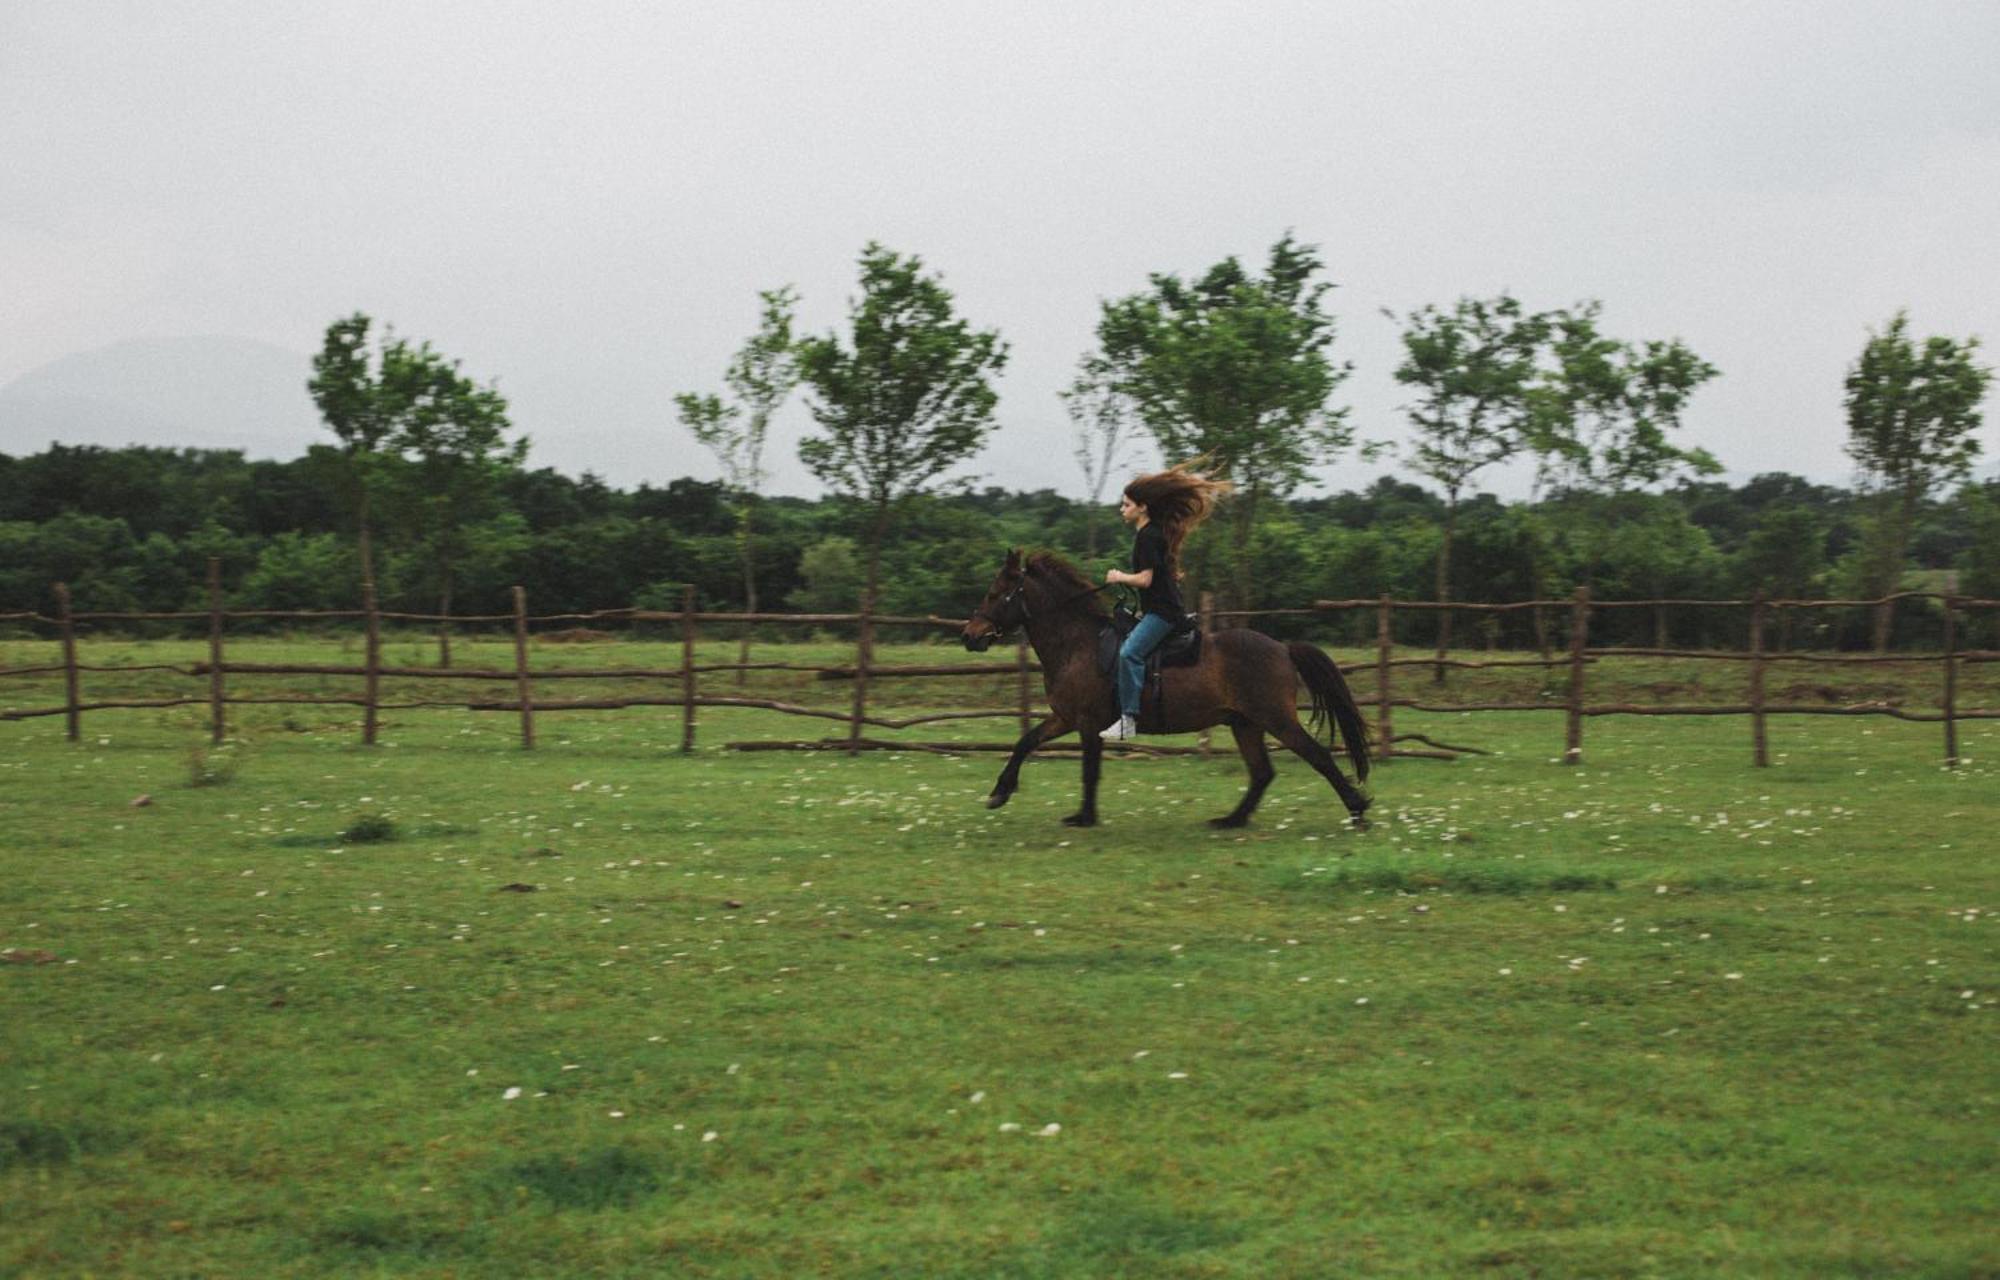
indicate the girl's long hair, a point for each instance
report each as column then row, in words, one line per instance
column 1177, row 500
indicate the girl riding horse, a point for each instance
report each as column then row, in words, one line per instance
column 1163, row 507
column 1244, row 679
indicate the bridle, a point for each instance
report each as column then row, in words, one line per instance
column 1019, row 593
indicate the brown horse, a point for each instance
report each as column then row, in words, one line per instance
column 1244, row 679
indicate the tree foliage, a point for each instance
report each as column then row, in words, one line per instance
column 1608, row 407
column 577, row 543
column 1474, row 370
column 1912, row 418
column 905, row 399
column 414, row 430
column 1235, row 366
column 1913, row 411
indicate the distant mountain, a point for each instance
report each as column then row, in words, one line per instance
column 206, row 392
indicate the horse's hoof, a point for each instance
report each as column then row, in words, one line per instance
column 1359, row 821
column 1080, row 820
column 997, row 799
column 1228, row 822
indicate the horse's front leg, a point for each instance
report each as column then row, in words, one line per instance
column 1093, row 766
column 1009, row 780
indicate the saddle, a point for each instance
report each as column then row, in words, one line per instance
column 1181, row 648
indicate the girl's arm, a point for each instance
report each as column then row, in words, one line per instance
column 1118, row 577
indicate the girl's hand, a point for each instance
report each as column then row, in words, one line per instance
column 1111, row 576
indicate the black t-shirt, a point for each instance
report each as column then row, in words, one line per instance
column 1149, row 551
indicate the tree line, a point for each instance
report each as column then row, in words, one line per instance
column 132, row 529
column 426, row 493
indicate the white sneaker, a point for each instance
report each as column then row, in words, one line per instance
column 1124, row 731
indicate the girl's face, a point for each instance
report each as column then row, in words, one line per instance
column 1129, row 511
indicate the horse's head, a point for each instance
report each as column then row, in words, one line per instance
column 1004, row 608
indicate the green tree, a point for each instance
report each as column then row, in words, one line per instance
column 453, row 439
column 1474, row 369
column 1535, row 535
column 355, row 402
column 1605, row 413
column 301, row 571
column 1654, row 552
column 907, row 400
column 417, row 432
column 1609, row 406
column 95, row 555
column 760, row 379
column 1236, row 367
column 832, row 572
column 1784, row 557
column 1979, row 564
column 1912, row 418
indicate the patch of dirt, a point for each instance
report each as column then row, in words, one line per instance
column 1839, row 694
column 575, row 635
column 16, row 955
column 1664, row 689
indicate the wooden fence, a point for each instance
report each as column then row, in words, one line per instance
column 528, row 702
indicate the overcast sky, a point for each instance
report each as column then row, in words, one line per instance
column 583, row 200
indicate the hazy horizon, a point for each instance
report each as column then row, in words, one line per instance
column 583, row 205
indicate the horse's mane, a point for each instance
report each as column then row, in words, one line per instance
column 1067, row 579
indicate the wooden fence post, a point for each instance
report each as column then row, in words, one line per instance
column 73, row 711
column 687, row 670
column 1760, row 753
column 1579, row 636
column 215, row 723
column 1443, row 633
column 1951, row 682
column 521, row 686
column 1385, row 650
column 1206, row 605
column 444, row 631
column 863, row 653
column 371, row 663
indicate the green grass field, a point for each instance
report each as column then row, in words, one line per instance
column 604, row 1009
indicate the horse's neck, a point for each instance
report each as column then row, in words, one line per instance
column 1061, row 624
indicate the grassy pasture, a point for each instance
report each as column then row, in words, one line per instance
column 604, row 1009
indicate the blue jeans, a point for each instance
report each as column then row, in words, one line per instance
column 1132, row 655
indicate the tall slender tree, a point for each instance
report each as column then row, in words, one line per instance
column 1101, row 418
column 353, row 403
column 905, row 399
column 760, row 379
column 1912, row 422
column 1474, row 369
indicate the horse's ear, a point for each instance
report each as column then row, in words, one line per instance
column 1013, row 559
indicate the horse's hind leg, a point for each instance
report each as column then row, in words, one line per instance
column 1093, row 768
column 1249, row 741
column 1313, row 752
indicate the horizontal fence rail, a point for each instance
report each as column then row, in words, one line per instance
column 1576, row 658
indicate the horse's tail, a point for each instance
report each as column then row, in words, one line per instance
column 1331, row 698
